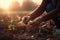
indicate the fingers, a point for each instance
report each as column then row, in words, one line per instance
column 25, row 19
column 34, row 23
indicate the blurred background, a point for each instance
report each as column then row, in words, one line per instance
column 11, row 25
column 11, row 13
column 16, row 9
column 18, row 5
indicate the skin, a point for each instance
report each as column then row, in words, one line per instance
column 40, row 10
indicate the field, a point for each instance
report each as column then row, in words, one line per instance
column 13, row 28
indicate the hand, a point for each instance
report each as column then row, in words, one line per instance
column 33, row 24
column 36, row 22
column 26, row 19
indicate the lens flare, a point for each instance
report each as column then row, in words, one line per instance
column 5, row 3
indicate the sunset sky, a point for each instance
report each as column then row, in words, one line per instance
column 5, row 3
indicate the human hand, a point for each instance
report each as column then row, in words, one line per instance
column 26, row 19
column 36, row 22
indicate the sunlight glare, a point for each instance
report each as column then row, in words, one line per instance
column 5, row 3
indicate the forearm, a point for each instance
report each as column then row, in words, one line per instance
column 52, row 14
column 47, row 17
column 37, row 12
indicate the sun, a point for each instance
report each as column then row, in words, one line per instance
column 5, row 3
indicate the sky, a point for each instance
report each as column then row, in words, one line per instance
column 5, row 3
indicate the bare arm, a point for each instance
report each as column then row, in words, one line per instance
column 52, row 14
column 39, row 10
